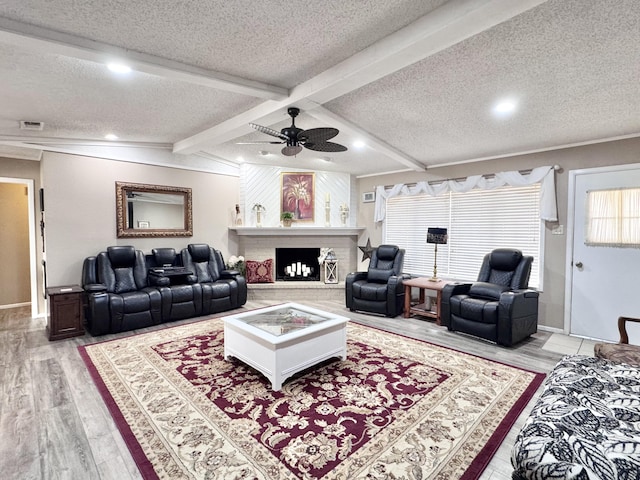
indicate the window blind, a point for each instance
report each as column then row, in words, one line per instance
column 477, row 221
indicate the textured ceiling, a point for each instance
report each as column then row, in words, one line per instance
column 415, row 81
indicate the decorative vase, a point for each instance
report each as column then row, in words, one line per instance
column 286, row 222
column 258, row 218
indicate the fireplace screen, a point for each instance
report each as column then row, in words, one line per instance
column 297, row 264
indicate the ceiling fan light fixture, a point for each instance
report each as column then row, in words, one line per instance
column 359, row 144
column 296, row 138
column 291, row 150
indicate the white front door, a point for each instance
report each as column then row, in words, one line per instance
column 603, row 281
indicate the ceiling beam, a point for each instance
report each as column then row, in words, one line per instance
column 40, row 142
column 445, row 26
column 49, row 41
column 375, row 143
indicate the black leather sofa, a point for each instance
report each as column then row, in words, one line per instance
column 126, row 290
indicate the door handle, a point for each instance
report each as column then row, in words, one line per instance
column 579, row 264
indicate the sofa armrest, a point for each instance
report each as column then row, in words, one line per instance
column 449, row 291
column 355, row 276
column 95, row 287
column 98, row 315
column 348, row 284
column 395, row 283
column 517, row 315
column 158, row 280
column 229, row 273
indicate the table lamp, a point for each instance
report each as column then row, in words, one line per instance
column 438, row 236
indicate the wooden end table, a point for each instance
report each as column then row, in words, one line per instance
column 422, row 284
column 64, row 312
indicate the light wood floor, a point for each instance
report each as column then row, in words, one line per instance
column 54, row 424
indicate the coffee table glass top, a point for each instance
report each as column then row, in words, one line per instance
column 284, row 320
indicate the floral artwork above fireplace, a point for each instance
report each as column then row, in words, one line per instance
column 297, row 195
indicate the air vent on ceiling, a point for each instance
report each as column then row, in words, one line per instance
column 27, row 125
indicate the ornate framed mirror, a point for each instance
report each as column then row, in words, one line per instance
column 153, row 211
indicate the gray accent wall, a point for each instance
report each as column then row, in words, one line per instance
column 81, row 215
column 590, row 156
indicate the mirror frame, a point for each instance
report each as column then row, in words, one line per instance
column 121, row 214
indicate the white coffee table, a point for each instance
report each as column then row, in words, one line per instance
column 284, row 339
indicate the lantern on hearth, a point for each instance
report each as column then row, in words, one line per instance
column 331, row 267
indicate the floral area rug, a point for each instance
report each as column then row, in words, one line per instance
column 397, row 408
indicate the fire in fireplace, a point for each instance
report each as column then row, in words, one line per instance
column 297, row 264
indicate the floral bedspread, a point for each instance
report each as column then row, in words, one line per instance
column 586, row 424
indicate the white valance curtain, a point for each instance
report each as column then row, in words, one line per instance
column 544, row 175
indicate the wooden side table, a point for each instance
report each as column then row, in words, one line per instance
column 64, row 316
column 423, row 283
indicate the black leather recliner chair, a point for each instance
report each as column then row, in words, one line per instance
column 118, row 294
column 379, row 289
column 222, row 289
column 499, row 306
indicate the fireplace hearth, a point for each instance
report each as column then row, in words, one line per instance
column 297, row 264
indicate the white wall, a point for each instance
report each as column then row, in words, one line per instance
column 262, row 184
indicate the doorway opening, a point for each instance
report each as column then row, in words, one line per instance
column 29, row 213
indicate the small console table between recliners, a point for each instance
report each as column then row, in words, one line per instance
column 126, row 290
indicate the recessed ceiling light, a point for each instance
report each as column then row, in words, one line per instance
column 358, row 144
column 118, row 67
column 264, row 153
column 504, row 108
column 326, row 159
column 111, row 136
column 240, row 159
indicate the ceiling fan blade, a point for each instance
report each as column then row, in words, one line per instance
column 326, row 147
column 317, row 135
column 259, row 143
column 290, row 151
column 269, row 131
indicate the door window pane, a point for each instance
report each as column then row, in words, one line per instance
column 613, row 217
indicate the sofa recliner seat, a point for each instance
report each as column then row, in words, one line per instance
column 118, row 291
column 222, row 289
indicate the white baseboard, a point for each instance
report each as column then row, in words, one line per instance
column 15, row 305
column 550, row 329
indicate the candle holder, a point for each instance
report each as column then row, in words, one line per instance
column 327, row 214
column 259, row 209
column 344, row 213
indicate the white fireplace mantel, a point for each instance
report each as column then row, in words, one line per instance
column 260, row 243
column 297, row 231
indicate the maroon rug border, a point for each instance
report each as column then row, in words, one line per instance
column 479, row 464
column 473, row 472
column 144, row 465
